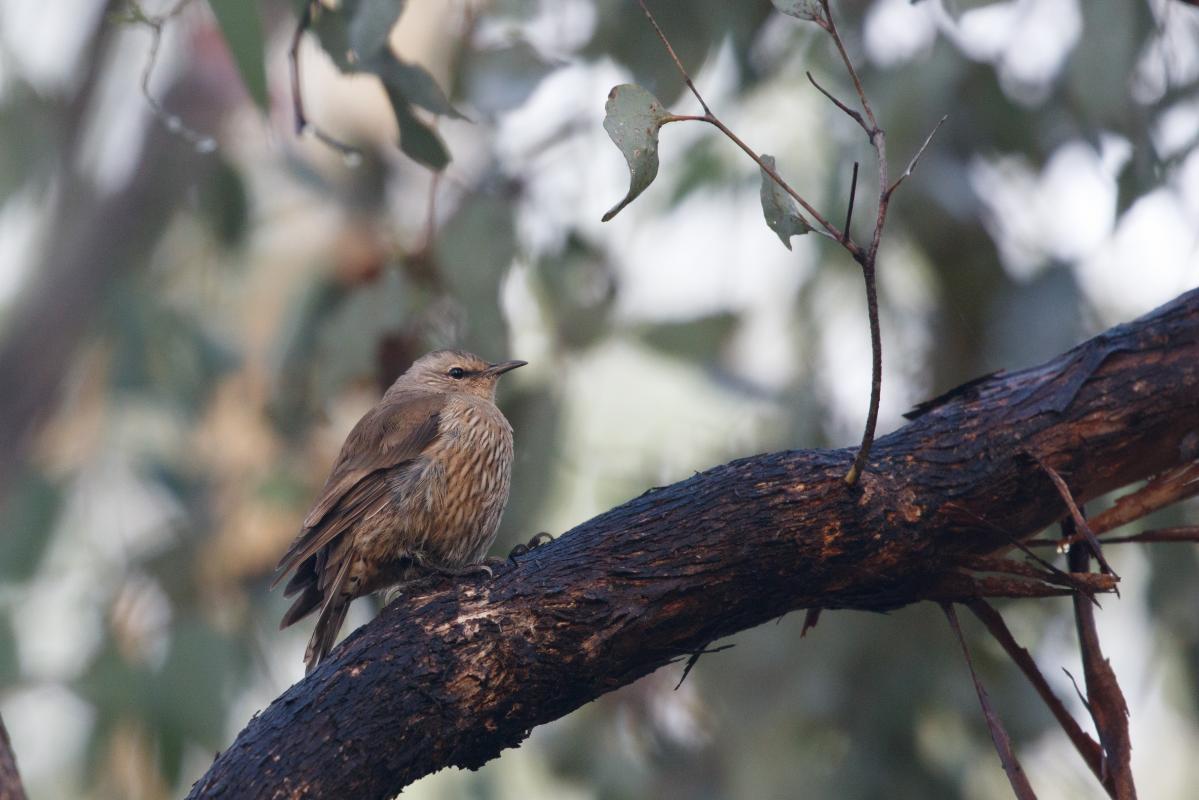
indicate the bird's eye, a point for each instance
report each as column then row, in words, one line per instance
column 457, row 373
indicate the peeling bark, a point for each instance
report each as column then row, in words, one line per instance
column 451, row 673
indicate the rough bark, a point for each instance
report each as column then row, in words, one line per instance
column 11, row 787
column 453, row 672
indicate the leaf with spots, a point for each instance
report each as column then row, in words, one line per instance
column 633, row 119
column 782, row 215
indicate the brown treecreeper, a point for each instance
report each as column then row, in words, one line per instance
column 419, row 485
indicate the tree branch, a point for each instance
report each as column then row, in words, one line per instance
column 451, row 673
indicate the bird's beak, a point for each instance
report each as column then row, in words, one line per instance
column 504, row 366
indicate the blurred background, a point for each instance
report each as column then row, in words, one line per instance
column 196, row 304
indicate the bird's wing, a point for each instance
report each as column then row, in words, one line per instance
column 395, row 431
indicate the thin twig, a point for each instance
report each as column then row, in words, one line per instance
column 912, row 164
column 1185, row 533
column 853, row 114
column 830, row 230
column 1076, row 514
column 172, row 122
column 1087, row 747
column 674, row 56
column 829, row 25
column 1063, row 578
column 1107, row 705
column 694, row 657
column 1003, row 743
column 302, row 123
column 1162, row 490
column 963, row 588
column 867, row 258
column 853, row 193
column 876, row 372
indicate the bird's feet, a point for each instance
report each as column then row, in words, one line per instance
column 537, row 541
column 467, row 571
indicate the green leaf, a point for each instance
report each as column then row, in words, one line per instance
column 370, row 24
column 242, row 29
column 800, row 9
column 633, row 119
column 417, row 140
column 414, row 83
column 330, row 28
column 782, row 215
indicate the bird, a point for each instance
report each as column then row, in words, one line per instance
column 420, row 485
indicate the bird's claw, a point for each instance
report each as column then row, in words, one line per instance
column 537, row 541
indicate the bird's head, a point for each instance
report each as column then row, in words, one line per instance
column 455, row 371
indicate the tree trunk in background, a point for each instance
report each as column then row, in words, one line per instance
column 93, row 240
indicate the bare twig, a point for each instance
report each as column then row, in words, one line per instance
column 916, row 158
column 1087, row 747
column 674, row 57
column 302, row 123
column 172, row 122
column 1062, row 578
column 1003, row 743
column 852, row 114
column 853, row 194
column 1184, row 533
column 694, row 657
column 1076, row 514
column 1105, row 699
column 963, row 588
column 876, row 367
column 830, row 230
column 1162, row 490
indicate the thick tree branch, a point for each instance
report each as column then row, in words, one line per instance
column 451, row 673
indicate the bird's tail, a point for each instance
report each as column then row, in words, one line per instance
column 333, row 614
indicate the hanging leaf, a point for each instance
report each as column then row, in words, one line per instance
column 633, row 119
column 782, row 215
column 242, row 29
column 414, row 83
column 418, row 141
column 355, row 37
column 370, row 24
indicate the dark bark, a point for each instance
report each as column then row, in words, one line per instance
column 11, row 787
column 451, row 673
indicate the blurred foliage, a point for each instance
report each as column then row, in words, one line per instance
column 220, row 373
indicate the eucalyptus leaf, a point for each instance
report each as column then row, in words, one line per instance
column 370, row 24
column 242, row 28
column 418, row 141
column 779, row 209
column 634, row 117
column 414, row 83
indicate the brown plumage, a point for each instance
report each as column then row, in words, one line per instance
column 421, row 481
